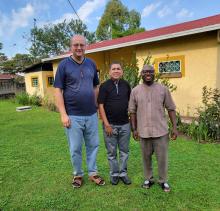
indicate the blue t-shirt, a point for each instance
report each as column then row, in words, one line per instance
column 77, row 82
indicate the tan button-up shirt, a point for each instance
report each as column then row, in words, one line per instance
column 149, row 103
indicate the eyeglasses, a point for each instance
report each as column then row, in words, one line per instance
column 76, row 45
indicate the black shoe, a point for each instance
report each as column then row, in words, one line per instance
column 165, row 187
column 114, row 180
column 125, row 180
column 147, row 184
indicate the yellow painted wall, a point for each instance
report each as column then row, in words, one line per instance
column 28, row 83
column 55, row 65
column 48, row 90
column 218, row 64
column 201, row 54
column 43, row 89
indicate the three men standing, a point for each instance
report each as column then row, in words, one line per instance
column 76, row 91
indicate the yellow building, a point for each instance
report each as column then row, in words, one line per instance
column 187, row 53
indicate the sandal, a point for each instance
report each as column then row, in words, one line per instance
column 97, row 179
column 165, row 187
column 77, row 182
column 147, row 184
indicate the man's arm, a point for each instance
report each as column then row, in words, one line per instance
column 96, row 91
column 172, row 116
column 133, row 117
column 108, row 128
column 60, row 105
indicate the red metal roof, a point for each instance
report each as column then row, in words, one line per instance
column 212, row 20
column 6, row 76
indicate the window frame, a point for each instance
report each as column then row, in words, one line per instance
column 180, row 74
column 48, row 84
column 32, row 81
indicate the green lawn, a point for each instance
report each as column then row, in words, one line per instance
column 35, row 171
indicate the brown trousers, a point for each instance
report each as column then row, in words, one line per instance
column 160, row 147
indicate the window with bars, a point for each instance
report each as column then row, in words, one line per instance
column 34, row 82
column 50, row 80
column 171, row 66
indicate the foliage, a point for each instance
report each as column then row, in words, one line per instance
column 47, row 103
column 16, row 63
column 35, row 171
column 207, row 126
column 117, row 21
column 2, row 57
column 131, row 73
column 209, row 114
column 24, row 98
column 54, row 39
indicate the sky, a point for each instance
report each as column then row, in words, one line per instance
column 17, row 16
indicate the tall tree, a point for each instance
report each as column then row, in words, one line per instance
column 118, row 21
column 54, row 39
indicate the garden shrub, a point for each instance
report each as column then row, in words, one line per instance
column 47, row 103
column 22, row 98
column 207, row 126
column 209, row 114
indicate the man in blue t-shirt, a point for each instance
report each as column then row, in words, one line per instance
column 76, row 91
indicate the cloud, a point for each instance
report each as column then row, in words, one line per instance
column 18, row 19
column 149, row 9
column 88, row 8
column 184, row 13
column 164, row 12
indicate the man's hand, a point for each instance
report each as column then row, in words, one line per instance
column 108, row 130
column 174, row 134
column 135, row 135
column 65, row 120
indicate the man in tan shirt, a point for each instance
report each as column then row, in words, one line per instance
column 148, row 122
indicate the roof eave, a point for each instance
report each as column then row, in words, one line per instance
column 157, row 38
column 146, row 40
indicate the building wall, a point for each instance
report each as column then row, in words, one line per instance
column 48, row 90
column 201, row 56
column 43, row 89
column 39, row 90
column 218, row 63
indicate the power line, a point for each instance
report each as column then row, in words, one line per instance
column 74, row 10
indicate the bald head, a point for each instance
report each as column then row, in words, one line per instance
column 148, row 67
column 76, row 38
column 78, row 46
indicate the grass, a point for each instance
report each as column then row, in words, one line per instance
column 35, row 171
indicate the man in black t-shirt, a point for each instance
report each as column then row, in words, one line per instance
column 113, row 101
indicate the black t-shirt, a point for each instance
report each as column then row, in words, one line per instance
column 115, row 98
